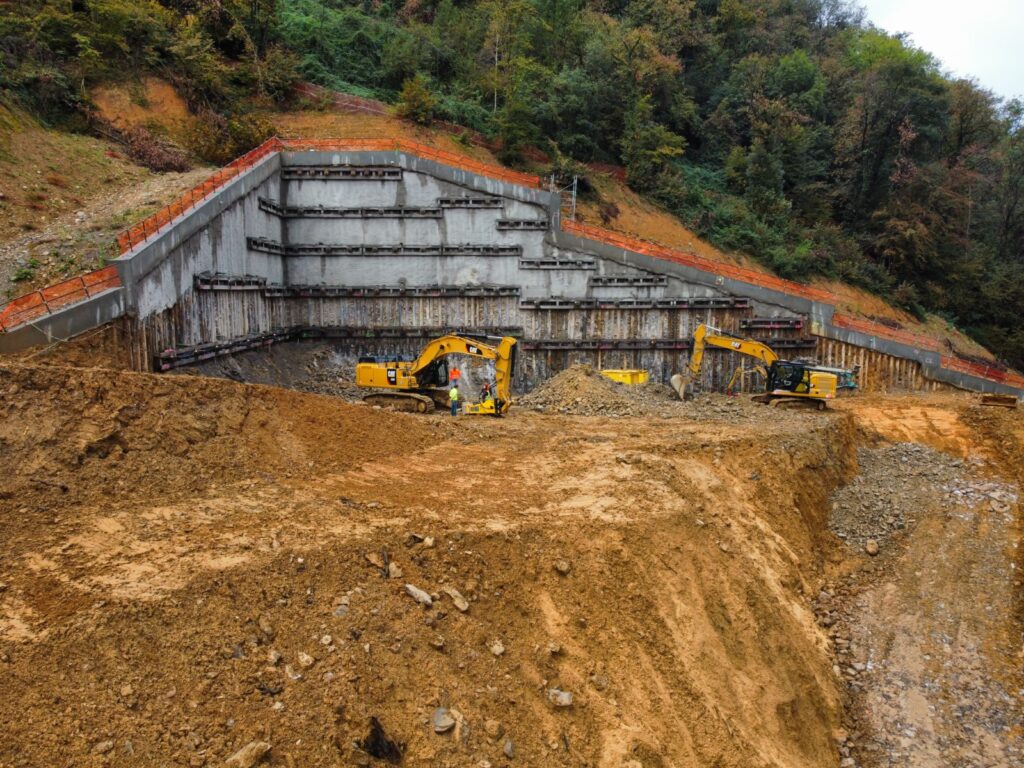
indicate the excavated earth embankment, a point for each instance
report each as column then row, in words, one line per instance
column 196, row 570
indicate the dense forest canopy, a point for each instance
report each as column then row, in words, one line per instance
column 791, row 130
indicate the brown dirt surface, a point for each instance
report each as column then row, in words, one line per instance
column 168, row 537
column 927, row 634
column 150, row 103
column 193, row 565
column 328, row 124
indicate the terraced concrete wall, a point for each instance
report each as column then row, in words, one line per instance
column 379, row 250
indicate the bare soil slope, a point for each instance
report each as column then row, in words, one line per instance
column 192, row 565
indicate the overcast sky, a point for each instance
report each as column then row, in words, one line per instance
column 983, row 39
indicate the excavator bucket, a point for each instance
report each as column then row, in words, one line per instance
column 682, row 387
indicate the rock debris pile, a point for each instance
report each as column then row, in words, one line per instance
column 583, row 391
column 939, row 598
column 886, row 496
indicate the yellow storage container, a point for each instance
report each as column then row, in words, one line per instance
column 627, row 376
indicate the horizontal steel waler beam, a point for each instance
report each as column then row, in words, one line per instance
column 628, row 281
column 206, row 281
column 182, row 356
column 508, row 225
column 265, row 245
column 558, row 303
column 338, row 212
column 555, row 345
column 341, row 172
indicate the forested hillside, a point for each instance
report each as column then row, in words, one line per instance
column 790, row 130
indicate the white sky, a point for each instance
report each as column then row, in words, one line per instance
column 983, row 39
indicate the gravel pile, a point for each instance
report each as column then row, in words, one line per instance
column 583, row 391
column 886, row 495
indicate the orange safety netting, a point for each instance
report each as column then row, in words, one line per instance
column 742, row 274
column 25, row 309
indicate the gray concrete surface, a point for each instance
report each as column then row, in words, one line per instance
column 266, row 224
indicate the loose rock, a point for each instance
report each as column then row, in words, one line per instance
column 460, row 602
column 442, row 720
column 419, row 595
column 493, row 729
column 559, row 697
column 249, row 755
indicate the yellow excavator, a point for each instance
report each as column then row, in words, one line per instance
column 421, row 384
column 785, row 381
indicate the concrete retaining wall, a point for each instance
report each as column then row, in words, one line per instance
column 287, row 243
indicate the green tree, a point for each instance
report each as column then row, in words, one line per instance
column 648, row 148
column 415, row 101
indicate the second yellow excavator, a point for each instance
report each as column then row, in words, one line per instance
column 418, row 385
column 785, row 381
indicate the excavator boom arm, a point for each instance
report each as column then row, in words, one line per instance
column 452, row 345
column 705, row 337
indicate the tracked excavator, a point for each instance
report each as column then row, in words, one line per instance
column 421, row 384
column 786, row 382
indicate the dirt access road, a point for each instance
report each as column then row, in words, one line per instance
column 193, row 567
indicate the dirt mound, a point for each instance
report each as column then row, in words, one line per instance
column 193, row 565
column 583, row 391
column 73, row 435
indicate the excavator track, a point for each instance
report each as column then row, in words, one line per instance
column 401, row 401
column 781, row 401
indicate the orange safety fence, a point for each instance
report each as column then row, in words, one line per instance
column 742, row 274
column 27, row 308
column 149, row 226
column 885, row 332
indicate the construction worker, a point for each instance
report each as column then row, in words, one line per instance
column 454, row 375
column 485, row 393
column 453, row 398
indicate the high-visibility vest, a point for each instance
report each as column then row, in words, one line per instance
column 453, row 394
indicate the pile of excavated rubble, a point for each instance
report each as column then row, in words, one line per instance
column 885, row 496
column 583, row 391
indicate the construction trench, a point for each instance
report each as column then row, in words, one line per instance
column 204, row 571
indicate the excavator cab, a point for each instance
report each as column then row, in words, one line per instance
column 785, row 377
